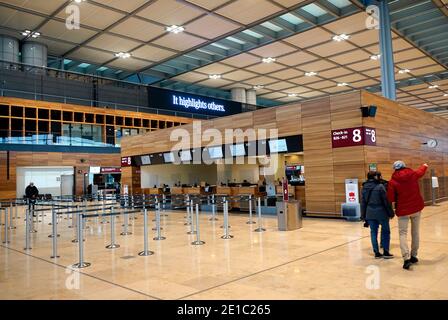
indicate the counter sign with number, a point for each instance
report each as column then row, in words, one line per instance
column 350, row 137
column 126, row 161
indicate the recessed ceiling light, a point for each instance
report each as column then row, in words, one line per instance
column 35, row 35
column 175, row 29
column 268, row 60
column 375, row 57
column 433, row 86
column 445, row 95
column 310, row 74
column 402, row 71
column 79, row 1
column 28, row 33
column 258, row 87
column 123, row 55
column 292, row 95
column 341, row 37
column 342, row 84
column 214, row 76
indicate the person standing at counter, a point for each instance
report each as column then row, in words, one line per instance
column 403, row 189
column 377, row 211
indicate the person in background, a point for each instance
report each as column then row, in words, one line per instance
column 31, row 193
column 403, row 189
column 377, row 211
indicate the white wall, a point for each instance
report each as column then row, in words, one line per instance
column 238, row 172
column 171, row 174
column 46, row 179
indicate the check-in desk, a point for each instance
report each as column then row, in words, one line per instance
column 155, row 191
column 177, row 197
column 245, row 192
column 225, row 192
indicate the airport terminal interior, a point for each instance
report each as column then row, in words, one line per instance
column 223, row 149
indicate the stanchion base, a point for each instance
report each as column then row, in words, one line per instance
column 11, row 228
column 191, row 232
column 81, row 265
column 5, row 242
column 213, row 219
column 129, row 225
column 112, row 246
column 104, row 222
column 159, row 238
column 51, row 236
column 155, row 229
column 125, row 233
column 55, row 257
column 145, row 253
column 26, row 249
column 33, row 231
column 187, row 224
column 76, row 240
column 227, row 237
column 250, row 222
column 224, row 227
column 259, row 230
column 198, row 243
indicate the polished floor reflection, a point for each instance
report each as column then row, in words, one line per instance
column 326, row 259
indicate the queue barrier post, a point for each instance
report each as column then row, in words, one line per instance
column 54, row 234
column 146, row 251
column 226, row 221
column 251, row 221
column 198, row 241
column 112, row 244
column 190, row 219
column 159, row 232
column 6, row 239
column 126, row 225
column 260, row 226
column 213, row 217
column 11, row 216
column 80, row 235
column 27, row 229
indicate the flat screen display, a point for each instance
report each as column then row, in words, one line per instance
column 276, row 146
column 146, row 160
column 168, row 157
column 95, row 170
column 237, row 150
column 215, row 152
column 185, row 155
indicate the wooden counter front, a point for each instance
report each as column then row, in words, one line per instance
column 155, row 191
column 194, row 190
column 247, row 190
column 177, row 190
column 230, row 191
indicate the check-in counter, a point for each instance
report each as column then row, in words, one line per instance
column 177, row 190
column 193, row 190
column 155, row 191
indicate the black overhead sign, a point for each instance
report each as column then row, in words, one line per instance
column 186, row 102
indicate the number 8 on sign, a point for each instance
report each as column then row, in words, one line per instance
column 357, row 135
column 373, row 136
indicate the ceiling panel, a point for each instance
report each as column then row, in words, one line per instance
column 215, row 68
column 274, row 95
column 241, row 60
column 128, row 64
column 353, row 56
column 407, row 55
column 335, row 72
column 296, row 58
column 138, row 29
column 304, row 80
column 321, row 84
column 180, row 41
column 152, row 53
column 260, row 81
column 310, row 38
column 170, row 12
column 414, row 64
column 208, row 4
column 317, row 66
column 55, row 47
column 190, row 77
column 288, row 3
column 57, row 30
column 248, row 11
column 331, row 48
column 113, row 43
column 273, row 50
column 365, row 65
column 350, row 78
column 239, row 75
column 264, row 68
column 19, row 20
column 281, row 85
column 215, row 83
column 211, row 27
column 91, row 55
column 311, row 94
column 364, row 83
column 349, row 25
column 427, row 70
column 127, row 5
column 287, row 74
column 94, row 16
column 365, row 38
column 42, row 6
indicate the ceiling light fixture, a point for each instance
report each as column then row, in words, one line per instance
column 268, row 60
column 258, row 87
column 404, row 71
column 79, row 1
column 214, row 76
column 291, row 95
column 342, row 84
column 175, row 29
column 33, row 34
column 445, row 95
column 375, row 57
column 433, row 86
column 123, row 55
column 341, row 37
column 310, row 74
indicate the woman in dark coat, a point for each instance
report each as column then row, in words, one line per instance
column 377, row 211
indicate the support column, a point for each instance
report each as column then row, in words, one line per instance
column 239, row 95
column 386, row 50
column 251, row 97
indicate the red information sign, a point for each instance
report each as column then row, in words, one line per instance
column 126, row 161
column 285, row 190
column 350, row 137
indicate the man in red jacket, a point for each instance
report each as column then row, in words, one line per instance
column 403, row 189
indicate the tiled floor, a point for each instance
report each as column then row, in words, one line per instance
column 326, row 259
